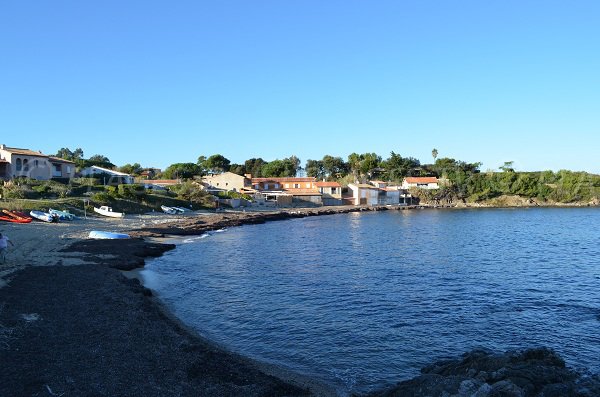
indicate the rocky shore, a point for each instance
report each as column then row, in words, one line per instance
column 536, row 372
column 74, row 325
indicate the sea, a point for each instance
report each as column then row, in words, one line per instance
column 361, row 301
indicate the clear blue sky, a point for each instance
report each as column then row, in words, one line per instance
column 158, row 82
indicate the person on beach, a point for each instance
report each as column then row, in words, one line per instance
column 4, row 247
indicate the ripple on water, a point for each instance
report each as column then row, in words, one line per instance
column 365, row 300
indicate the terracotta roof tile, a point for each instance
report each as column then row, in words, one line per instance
column 327, row 184
column 422, row 179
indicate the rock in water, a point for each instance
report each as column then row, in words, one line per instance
column 536, row 372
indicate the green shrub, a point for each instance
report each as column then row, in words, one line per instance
column 102, row 198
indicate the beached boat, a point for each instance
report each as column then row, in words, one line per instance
column 17, row 215
column 98, row 234
column 168, row 210
column 62, row 215
column 108, row 211
column 43, row 216
column 10, row 216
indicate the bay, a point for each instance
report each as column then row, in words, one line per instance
column 364, row 300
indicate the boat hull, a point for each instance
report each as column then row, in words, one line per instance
column 110, row 214
column 42, row 216
column 98, row 234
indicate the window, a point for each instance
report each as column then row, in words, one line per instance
column 266, row 186
column 296, row 186
column 333, row 190
column 276, row 186
column 68, row 169
column 19, row 165
column 25, row 165
column 37, row 163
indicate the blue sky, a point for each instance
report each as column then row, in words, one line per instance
column 159, row 82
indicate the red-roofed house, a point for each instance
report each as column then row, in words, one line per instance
column 331, row 191
column 423, row 182
column 281, row 190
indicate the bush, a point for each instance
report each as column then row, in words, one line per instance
column 102, row 198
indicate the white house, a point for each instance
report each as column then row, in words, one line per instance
column 95, row 170
column 16, row 162
column 363, row 194
column 423, row 182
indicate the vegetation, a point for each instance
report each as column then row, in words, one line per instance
column 460, row 181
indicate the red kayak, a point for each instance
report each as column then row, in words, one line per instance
column 14, row 217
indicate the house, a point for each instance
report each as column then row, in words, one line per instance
column 423, row 182
column 16, row 162
column 150, row 173
column 364, row 194
column 331, row 192
column 109, row 176
column 286, row 191
column 227, row 181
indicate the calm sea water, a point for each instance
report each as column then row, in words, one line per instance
column 364, row 300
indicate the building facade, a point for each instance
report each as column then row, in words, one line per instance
column 25, row 163
column 424, row 182
column 227, row 181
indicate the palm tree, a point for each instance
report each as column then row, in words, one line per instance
column 434, row 154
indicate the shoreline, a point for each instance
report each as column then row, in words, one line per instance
column 28, row 320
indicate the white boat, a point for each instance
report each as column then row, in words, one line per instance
column 108, row 211
column 180, row 210
column 62, row 215
column 168, row 210
column 98, row 234
column 43, row 216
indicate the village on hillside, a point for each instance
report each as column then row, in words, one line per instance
column 250, row 191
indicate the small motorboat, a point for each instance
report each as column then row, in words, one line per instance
column 168, row 210
column 108, row 211
column 43, row 216
column 98, row 234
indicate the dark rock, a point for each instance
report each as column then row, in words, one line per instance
column 538, row 372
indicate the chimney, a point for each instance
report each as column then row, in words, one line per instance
column 2, row 146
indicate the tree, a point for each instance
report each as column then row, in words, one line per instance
column 133, row 169
column 239, row 169
column 315, row 169
column 182, row 171
column 97, row 160
column 67, row 154
column 334, row 167
column 254, row 166
column 354, row 164
column 273, row 169
column 398, row 167
column 434, row 154
column 507, row 166
column 215, row 164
